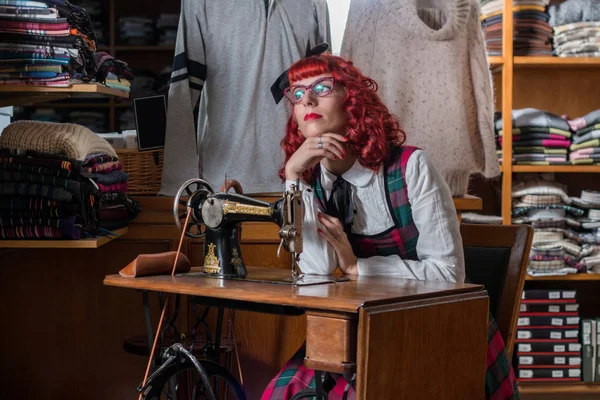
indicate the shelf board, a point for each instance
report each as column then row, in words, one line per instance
column 495, row 60
column 145, row 48
column 92, row 243
column 71, row 105
column 467, row 203
column 566, row 388
column 557, row 61
column 556, row 168
column 11, row 95
column 568, row 277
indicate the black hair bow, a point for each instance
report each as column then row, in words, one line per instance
column 282, row 82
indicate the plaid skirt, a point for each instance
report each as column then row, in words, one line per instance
column 500, row 382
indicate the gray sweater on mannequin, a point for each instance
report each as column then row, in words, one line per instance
column 232, row 51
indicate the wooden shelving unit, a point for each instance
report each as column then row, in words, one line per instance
column 149, row 57
column 92, row 243
column 562, row 86
column 11, row 95
column 511, row 67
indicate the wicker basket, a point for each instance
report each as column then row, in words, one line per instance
column 144, row 169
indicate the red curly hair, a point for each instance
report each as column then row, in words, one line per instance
column 371, row 129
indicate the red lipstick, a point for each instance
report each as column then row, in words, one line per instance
column 311, row 116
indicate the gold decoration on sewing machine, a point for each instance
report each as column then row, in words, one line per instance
column 235, row 258
column 233, row 207
column 211, row 262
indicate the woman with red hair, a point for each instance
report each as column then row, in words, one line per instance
column 372, row 205
column 392, row 213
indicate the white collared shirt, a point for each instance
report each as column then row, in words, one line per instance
column 439, row 247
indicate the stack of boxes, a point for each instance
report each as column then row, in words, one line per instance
column 547, row 343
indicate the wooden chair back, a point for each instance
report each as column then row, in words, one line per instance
column 496, row 256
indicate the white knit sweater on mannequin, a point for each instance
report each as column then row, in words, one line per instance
column 428, row 58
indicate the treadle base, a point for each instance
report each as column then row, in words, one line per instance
column 138, row 345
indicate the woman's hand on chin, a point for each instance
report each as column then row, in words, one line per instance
column 312, row 151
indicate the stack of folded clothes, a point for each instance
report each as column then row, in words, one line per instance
column 137, row 31
column 127, row 120
column 144, row 84
column 112, row 72
column 480, row 219
column 115, row 209
column 166, row 25
column 45, row 43
column 565, row 239
column 576, row 28
column 45, row 115
column 590, row 202
column 586, row 141
column 532, row 35
column 46, row 189
column 539, row 137
column 96, row 121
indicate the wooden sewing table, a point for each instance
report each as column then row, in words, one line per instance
column 405, row 339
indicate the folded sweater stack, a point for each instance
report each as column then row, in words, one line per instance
column 51, row 178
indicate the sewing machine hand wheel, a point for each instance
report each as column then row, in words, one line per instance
column 190, row 196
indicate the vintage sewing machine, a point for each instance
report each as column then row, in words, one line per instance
column 217, row 218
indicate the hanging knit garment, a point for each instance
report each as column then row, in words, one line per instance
column 72, row 140
column 432, row 71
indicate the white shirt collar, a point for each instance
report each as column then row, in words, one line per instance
column 357, row 175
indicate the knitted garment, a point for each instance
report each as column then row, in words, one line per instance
column 105, row 167
column 572, row 11
column 432, row 71
column 74, row 141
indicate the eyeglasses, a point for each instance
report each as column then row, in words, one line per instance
column 321, row 88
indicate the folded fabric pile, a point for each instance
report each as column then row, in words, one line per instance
column 46, row 188
column 127, row 120
column 481, row 219
column 532, row 35
column 44, row 115
column 136, row 31
column 96, row 121
column 564, row 237
column 45, row 43
column 576, row 28
column 166, row 26
column 586, row 140
column 164, row 80
column 144, row 84
column 112, row 72
column 115, row 209
column 539, row 137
